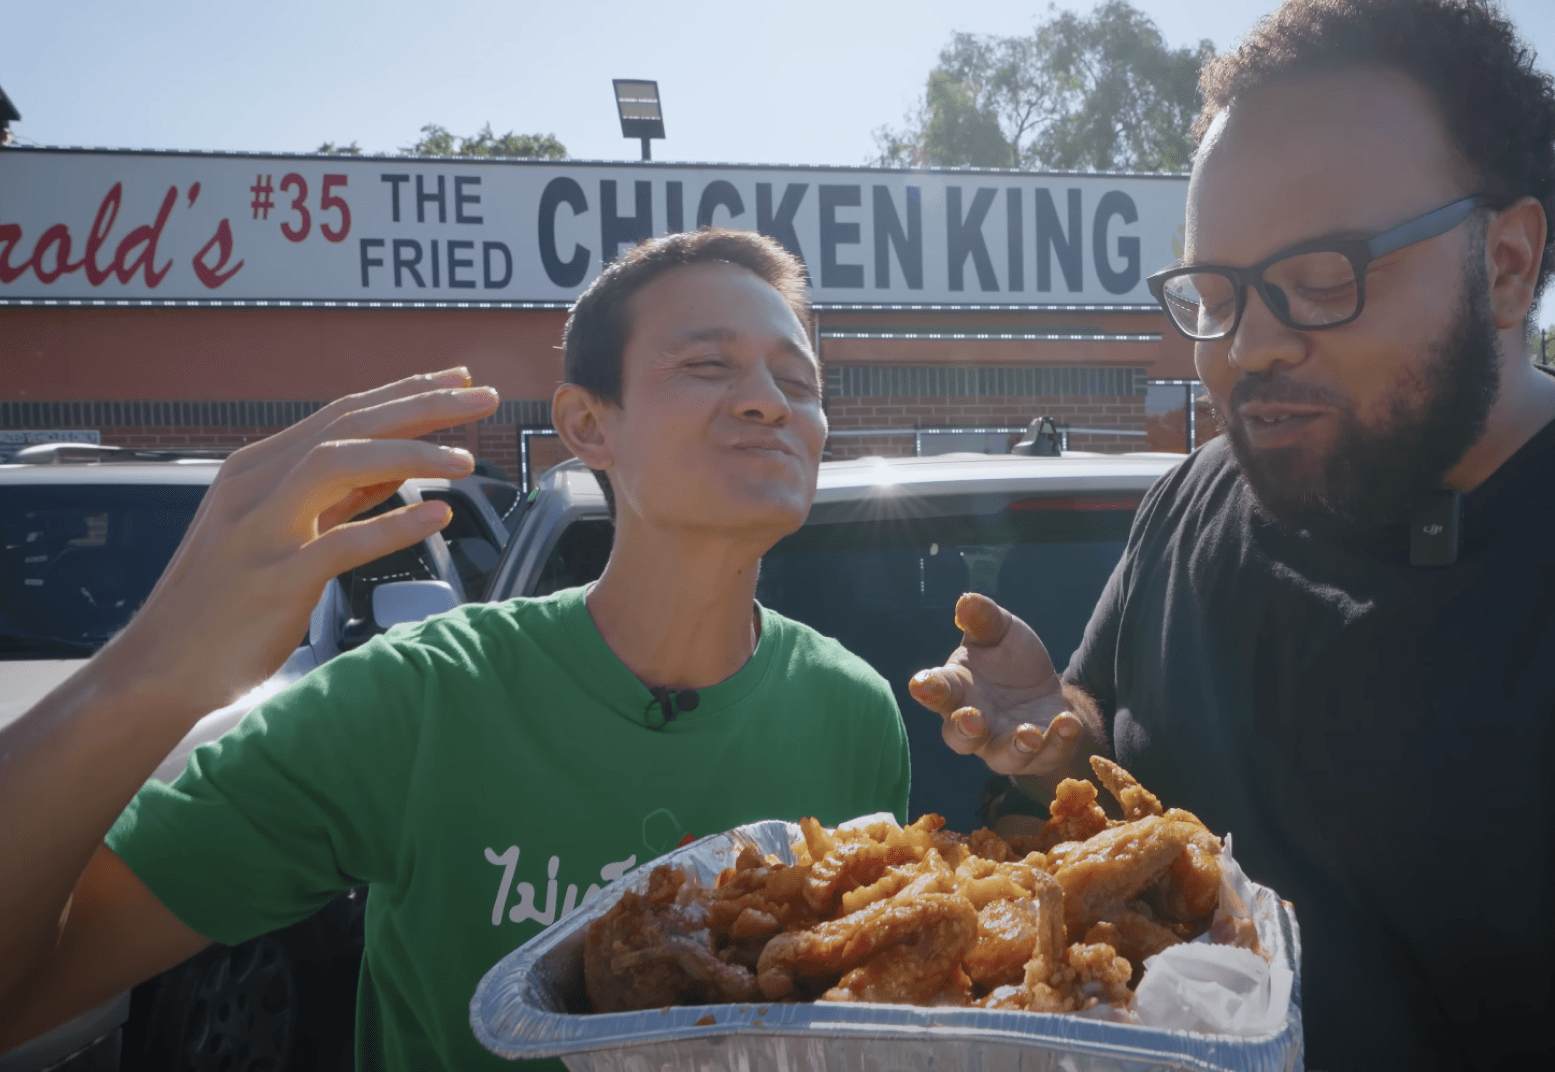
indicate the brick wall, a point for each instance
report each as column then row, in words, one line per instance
column 204, row 425
column 876, row 396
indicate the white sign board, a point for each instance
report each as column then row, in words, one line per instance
column 150, row 227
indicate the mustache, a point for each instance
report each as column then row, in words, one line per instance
column 1275, row 387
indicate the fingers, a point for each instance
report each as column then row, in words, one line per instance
column 347, row 546
column 313, row 427
column 940, row 689
column 355, row 503
column 1028, row 750
column 964, row 731
column 982, row 621
column 332, row 471
column 416, row 415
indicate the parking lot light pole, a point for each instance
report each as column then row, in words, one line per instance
column 637, row 101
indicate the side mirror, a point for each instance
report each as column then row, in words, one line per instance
column 411, row 601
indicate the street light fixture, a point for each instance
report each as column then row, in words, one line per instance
column 638, row 102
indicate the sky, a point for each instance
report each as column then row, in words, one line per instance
column 795, row 81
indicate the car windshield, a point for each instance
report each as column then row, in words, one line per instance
column 887, row 590
column 76, row 560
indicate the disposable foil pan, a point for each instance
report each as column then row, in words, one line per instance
column 532, row 1004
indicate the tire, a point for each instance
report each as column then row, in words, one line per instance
column 228, row 1009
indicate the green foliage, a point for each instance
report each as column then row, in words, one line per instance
column 438, row 141
column 1101, row 92
column 340, row 150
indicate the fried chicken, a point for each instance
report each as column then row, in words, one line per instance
column 1057, row 922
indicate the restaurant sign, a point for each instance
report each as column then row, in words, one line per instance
column 116, row 227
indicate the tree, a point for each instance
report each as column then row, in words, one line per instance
column 438, row 141
column 340, row 150
column 1100, row 92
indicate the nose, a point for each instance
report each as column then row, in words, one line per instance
column 1262, row 341
column 759, row 398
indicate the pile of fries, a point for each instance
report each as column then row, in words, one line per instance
column 1059, row 921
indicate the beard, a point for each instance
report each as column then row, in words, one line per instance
column 1375, row 475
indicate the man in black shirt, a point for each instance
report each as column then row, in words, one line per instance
column 1295, row 647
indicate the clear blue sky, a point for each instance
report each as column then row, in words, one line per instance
column 796, row 81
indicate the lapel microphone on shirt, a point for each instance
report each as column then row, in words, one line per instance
column 671, row 702
column 1435, row 529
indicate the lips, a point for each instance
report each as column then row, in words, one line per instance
column 1271, row 425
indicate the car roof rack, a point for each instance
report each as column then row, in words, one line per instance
column 73, row 453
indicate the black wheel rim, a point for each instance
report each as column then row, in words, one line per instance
column 241, row 1013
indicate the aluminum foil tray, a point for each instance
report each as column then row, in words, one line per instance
column 532, row 1004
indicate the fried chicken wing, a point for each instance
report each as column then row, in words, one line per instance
column 652, row 949
column 1115, row 865
column 923, row 969
column 1056, row 922
column 830, row 949
column 1074, row 816
column 1135, row 800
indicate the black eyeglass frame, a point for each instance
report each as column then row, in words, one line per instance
column 1360, row 252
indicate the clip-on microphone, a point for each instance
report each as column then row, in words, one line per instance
column 1434, row 530
column 683, row 700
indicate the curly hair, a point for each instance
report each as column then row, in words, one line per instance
column 1498, row 107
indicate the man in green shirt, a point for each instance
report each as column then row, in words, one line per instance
column 486, row 771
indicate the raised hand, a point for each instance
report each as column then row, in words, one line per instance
column 275, row 527
column 1001, row 698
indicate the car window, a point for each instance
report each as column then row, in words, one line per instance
column 474, row 549
column 77, row 560
column 578, row 557
column 505, row 499
column 887, row 591
column 407, row 564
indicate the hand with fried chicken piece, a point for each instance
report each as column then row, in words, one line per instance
column 1001, row 698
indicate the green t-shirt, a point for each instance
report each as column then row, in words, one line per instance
column 484, row 772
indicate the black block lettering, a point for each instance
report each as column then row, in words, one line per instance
column 369, row 261
column 407, row 254
column 461, row 199
column 1115, row 203
column 616, row 231
column 1052, row 238
column 564, row 273
column 835, row 233
column 394, row 190
column 965, row 237
column 455, row 262
column 674, row 207
column 422, row 197
column 780, row 225
column 889, row 235
column 490, row 281
column 1015, row 236
column 718, row 194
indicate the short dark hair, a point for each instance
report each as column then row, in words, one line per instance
column 1498, row 107
column 598, row 326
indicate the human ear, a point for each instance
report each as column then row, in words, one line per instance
column 578, row 419
column 1514, row 249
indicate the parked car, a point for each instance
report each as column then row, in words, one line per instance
column 888, row 548
column 84, row 534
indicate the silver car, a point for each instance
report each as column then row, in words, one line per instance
column 888, row 548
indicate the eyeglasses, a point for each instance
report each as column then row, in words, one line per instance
column 1310, row 286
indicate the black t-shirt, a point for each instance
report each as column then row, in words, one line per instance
column 1375, row 736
